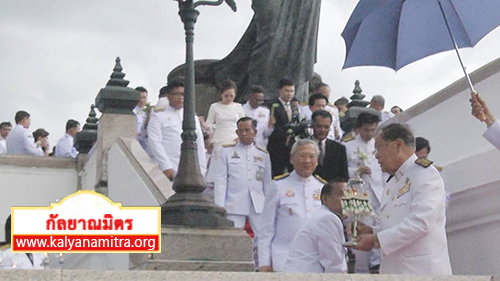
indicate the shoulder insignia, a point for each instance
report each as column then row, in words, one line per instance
column 280, row 177
column 348, row 137
column 322, row 180
column 262, row 149
column 229, row 145
column 304, row 103
column 439, row 168
column 159, row 109
column 423, row 162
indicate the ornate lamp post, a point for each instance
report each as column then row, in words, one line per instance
column 188, row 207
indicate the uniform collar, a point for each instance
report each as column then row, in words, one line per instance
column 404, row 168
column 299, row 178
column 358, row 137
column 248, row 147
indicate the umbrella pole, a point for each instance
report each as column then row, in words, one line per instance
column 456, row 49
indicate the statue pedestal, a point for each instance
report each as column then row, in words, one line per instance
column 193, row 249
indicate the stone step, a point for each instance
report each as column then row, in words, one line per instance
column 197, row 265
column 230, row 244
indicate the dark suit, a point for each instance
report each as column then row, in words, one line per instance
column 334, row 162
column 276, row 146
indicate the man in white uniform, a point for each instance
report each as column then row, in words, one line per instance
column 165, row 128
column 361, row 161
column 140, row 116
column 412, row 235
column 318, row 246
column 65, row 146
column 242, row 178
column 290, row 202
column 20, row 140
column 378, row 103
column 253, row 108
column 481, row 111
column 5, row 128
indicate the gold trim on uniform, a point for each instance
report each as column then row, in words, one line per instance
column 405, row 188
column 280, row 177
column 320, row 179
column 229, row 145
column 159, row 109
column 423, row 162
column 262, row 149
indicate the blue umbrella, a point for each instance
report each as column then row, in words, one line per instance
column 395, row 33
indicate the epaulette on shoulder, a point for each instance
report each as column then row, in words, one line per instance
column 304, row 103
column 348, row 138
column 159, row 109
column 4, row 247
column 423, row 162
column 262, row 149
column 439, row 168
column 280, row 177
column 320, row 179
column 229, row 145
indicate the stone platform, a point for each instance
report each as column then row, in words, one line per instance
column 190, row 249
column 57, row 275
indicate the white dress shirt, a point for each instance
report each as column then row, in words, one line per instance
column 261, row 115
column 412, row 217
column 65, row 147
column 290, row 202
column 492, row 134
column 3, row 146
column 11, row 260
column 20, row 141
column 318, row 246
column 164, row 138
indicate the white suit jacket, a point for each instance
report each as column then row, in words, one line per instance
column 65, row 147
column 242, row 177
column 290, row 202
column 493, row 134
column 318, row 246
column 20, row 141
column 164, row 138
column 412, row 222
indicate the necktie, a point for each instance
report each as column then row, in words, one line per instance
column 321, row 155
column 288, row 110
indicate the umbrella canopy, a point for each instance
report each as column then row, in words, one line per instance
column 394, row 33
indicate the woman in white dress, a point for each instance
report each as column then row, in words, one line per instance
column 223, row 115
column 221, row 121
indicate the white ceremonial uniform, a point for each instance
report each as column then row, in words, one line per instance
column 318, row 246
column 65, row 147
column 290, row 202
column 164, row 138
column 242, row 178
column 305, row 112
column 492, row 134
column 261, row 115
column 140, row 117
column 335, row 123
column 20, row 141
column 3, row 146
column 9, row 260
column 412, row 217
column 361, row 153
column 385, row 115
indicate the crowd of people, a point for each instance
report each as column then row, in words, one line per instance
column 285, row 180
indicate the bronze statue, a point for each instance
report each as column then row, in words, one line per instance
column 280, row 41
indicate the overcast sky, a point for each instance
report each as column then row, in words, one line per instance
column 55, row 55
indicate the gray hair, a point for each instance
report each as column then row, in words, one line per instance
column 303, row 142
column 396, row 131
column 378, row 99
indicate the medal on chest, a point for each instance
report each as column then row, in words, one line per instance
column 317, row 195
column 235, row 155
column 290, row 193
column 405, row 188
